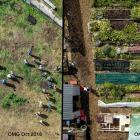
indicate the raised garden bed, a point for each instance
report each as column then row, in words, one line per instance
column 114, row 3
column 119, row 24
column 117, row 14
column 112, row 65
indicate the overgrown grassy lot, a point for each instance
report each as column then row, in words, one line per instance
column 114, row 27
column 17, row 35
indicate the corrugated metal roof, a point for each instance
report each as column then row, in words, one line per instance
column 68, row 92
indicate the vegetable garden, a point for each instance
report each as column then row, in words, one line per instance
column 115, row 29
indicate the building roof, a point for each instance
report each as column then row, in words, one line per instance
column 113, row 122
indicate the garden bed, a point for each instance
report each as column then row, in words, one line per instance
column 119, row 24
column 117, row 14
column 112, row 65
column 114, row 3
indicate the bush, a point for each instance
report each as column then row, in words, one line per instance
column 135, row 66
column 109, row 51
column 104, row 32
column 12, row 99
column 130, row 88
column 135, row 12
column 117, row 36
column 99, row 53
column 105, row 52
column 109, row 89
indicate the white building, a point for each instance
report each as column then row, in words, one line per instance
column 113, row 122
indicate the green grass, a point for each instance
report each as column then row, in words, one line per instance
column 20, row 30
column 12, row 100
column 58, row 4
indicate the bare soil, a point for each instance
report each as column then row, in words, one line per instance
column 117, row 14
column 77, row 14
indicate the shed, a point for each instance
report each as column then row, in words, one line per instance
column 71, row 101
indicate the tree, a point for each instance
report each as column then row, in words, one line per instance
column 109, row 51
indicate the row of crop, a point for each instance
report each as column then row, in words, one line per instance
column 102, row 3
column 134, row 66
column 102, row 31
column 113, row 52
column 101, row 12
column 117, row 91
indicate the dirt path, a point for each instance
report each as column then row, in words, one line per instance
column 77, row 14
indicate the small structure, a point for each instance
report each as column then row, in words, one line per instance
column 45, row 9
column 71, row 102
column 113, row 122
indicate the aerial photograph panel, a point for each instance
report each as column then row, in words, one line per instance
column 30, row 69
column 101, row 92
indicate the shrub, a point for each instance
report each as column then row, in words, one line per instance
column 117, row 36
column 135, row 66
column 12, row 99
column 99, row 53
column 109, row 51
column 109, row 89
column 104, row 32
column 135, row 12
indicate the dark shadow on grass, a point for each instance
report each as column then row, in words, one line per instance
column 53, row 100
column 53, row 108
column 2, row 68
column 43, row 116
column 15, row 80
column 19, row 77
column 58, row 90
column 36, row 57
column 45, row 123
column 45, row 107
column 48, row 72
column 37, row 62
column 11, row 85
column 30, row 65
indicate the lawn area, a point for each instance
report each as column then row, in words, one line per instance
column 17, row 35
